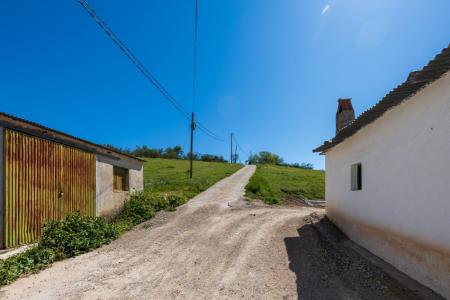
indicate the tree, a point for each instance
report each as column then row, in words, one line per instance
column 210, row 157
column 307, row 166
column 178, row 150
column 265, row 157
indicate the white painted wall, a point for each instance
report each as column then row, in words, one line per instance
column 402, row 213
column 110, row 202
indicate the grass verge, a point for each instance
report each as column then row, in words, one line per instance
column 167, row 176
column 166, row 186
column 272, row 183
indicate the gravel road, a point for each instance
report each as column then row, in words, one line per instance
column 215, row 246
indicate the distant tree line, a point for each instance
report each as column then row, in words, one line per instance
column 175, row 152
column 266, row 157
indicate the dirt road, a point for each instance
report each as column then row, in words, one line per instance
column 215, row 246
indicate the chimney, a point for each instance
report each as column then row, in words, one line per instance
column 345, row 113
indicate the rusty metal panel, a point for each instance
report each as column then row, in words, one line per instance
column 43, row 181
column 78, row 181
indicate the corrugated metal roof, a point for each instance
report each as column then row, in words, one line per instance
column 32, row 128
column 416, row 81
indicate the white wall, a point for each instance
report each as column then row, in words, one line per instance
column 110, row 202
column 402, row 213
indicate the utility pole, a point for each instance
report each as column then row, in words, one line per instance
column 231, row 152
column 235, row 154
column 191, row 156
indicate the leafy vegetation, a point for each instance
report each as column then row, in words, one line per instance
column 272, row 183
column 265, row 157
column 142, row 206
column 31, row 260
column 168, row 153
column 72, row 236
column 77, row 234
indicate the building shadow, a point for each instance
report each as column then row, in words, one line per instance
column 327, row 267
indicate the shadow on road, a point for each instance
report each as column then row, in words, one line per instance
column 327, row 268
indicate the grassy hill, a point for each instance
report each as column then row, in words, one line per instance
column 172, row 176
column 272, row 183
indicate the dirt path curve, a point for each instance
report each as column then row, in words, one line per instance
column 215, row 246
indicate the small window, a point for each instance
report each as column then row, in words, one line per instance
column 356, row 177
column 121, row 182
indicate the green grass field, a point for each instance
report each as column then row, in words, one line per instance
column 172, row 176
column 272, row 183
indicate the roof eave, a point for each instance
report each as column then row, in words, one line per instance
column 434, row 70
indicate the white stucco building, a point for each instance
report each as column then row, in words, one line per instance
column 388, row 175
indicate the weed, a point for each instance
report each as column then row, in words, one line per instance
column 77, row 234
column 271, row 183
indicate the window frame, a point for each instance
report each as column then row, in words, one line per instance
column 356, row 177
column 123, row 175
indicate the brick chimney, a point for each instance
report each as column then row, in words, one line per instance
column 345, row 113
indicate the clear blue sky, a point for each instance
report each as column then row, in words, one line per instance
column 269, row 70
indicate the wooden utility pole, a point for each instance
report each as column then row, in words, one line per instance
column 231, row 147
column 191, row 156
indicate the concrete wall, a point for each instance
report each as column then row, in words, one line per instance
column 2, row 231
column 402, row 213
column 110, row 202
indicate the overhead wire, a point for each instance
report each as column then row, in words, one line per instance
column 239, row 146
column 195, row 55
column 147, row 74
column 208, row 132
column 134, row 60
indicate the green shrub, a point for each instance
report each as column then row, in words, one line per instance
column 31, row 260
column 137, row 209
column 77, row 234
column 175, row 200
column 158, row 202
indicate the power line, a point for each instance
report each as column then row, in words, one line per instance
column 136, row 62
column 208, row 132
column 239, row 146
column 195, row 54
column 148, row 75
column 193, row 125
column 141, row 67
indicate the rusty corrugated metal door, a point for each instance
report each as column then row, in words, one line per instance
column 43, row 180
column 78, row 181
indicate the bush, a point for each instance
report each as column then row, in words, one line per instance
column 137, row 209
column 165, row 201
column 77, row 234
column 265, row 157
column 31, row 260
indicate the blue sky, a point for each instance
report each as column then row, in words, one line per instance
column 270, row 71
